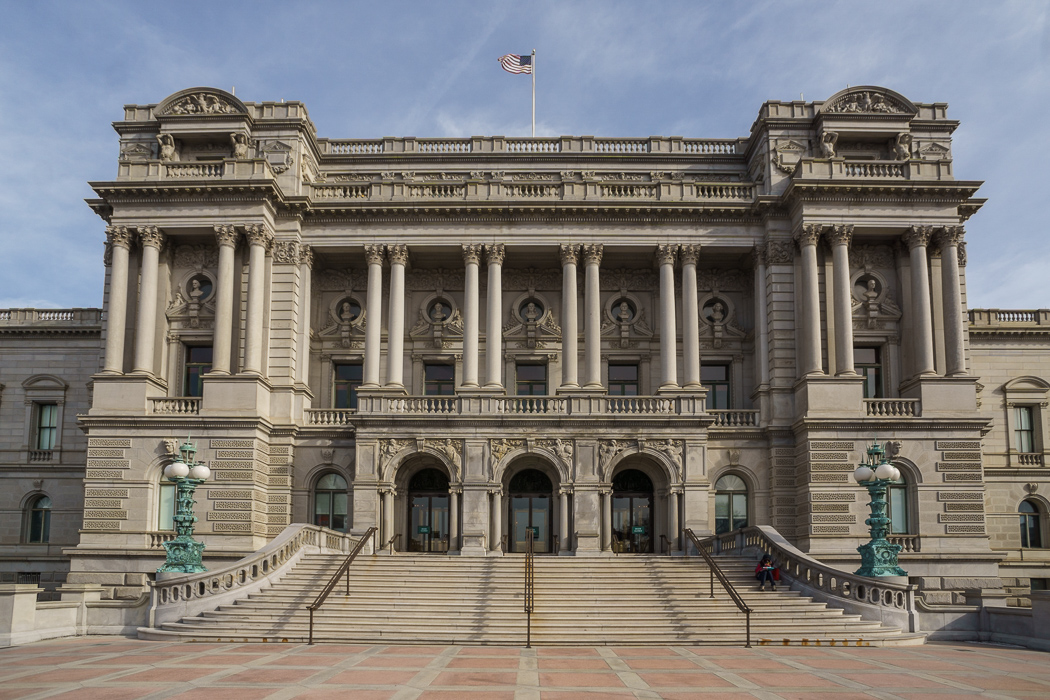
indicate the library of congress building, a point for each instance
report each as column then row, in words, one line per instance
column 604, row 341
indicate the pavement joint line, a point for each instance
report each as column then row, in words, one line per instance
column 736, row 680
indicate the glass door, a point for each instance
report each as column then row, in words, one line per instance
column 632, row 512
column 428, row 523
column 535, row 512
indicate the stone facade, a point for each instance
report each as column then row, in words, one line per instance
column 729, row 280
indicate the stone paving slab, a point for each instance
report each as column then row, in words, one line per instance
column 117, row 668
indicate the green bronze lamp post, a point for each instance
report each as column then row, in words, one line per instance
column 184, row 552
column 878, row 557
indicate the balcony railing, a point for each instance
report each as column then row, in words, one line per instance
column 329, row 416
column 50, row 318
column 892, row 408
column 842, row 169
column 524, row 406
column 1030, row 459
column 254, row 169
column 908, row 543
column 529, row 405
column 527, row 146
column 175, row 405
column 734, row 418
column 41, row 455
column 1009, row 319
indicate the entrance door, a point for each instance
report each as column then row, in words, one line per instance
column 632, row 512
column 531, row 498
column 428, row 512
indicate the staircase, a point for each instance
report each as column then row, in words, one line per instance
column 434, row 599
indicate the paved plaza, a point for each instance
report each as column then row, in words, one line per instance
column 116, row 668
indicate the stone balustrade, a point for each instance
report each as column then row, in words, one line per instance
column 892, row 408
column 37, row 456
column 526, row 406
column 329, row 416
column 843, row 169
column 908, row 543
column 735, row 418
column 51, row 318
column 1030, row 459
column 229, row 169
column 175, row 405
column 528, row 146
column 1009, row 319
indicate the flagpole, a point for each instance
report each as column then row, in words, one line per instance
column 534, row 93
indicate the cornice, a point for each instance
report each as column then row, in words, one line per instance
column 890, row 424
column 37, row 332
column 957, row 191
column 154, row 422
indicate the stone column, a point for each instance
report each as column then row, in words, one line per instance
column 840, row 236
column 592, row 320
column 570, row 255
column 494, row 254
column 689, row 254
column 563, row 512
column 306, row 264
column 117, row 313
column 258, row 238
column 374, row 314
column 395, row 327
column 471, row 257
column 453, row 519
column 496, row 520
column 917, row 238
column 606, row 520
column 954, row 355
column 151, row 240
column 809, row 357
column 672, row 520
column 665, row 257
column 222, row 338
column 761, row 315
column 388, row 515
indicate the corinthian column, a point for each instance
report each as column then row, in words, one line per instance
column 306, row 264
column 117, row 313
column 809, row 361
column 570, row 256
column 840, row 237
column 954, row 359
column 395, row 327
column 471, row 257
column 592, row 320
column 494, row 334
column 917, row 238
column 373, row 320
column 258, row 238
column 665, row 256
column 222, row 339
column 152, row 241
column 689, row 254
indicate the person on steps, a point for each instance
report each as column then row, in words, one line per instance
column 764, row 572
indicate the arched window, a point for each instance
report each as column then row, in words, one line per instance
column 166, row 505
column 730, row 504
column 897, row 496
column 1031, row 528
column 39, row 522
column 330, row 502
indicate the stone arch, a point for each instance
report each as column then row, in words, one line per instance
column 30, row 497
column 540, row 461
column 912, row 473
column 310, row 476
column 671, row 473
column 44, row 381
column 216, row 102
column 645, row 463
column 744, row 472
column 1027, row 383
column 899, row 103
column 561, row 471
column 417, row 461
column 389, row 469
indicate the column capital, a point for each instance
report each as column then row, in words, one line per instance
column 570, row 254
column 226, row 234
column 592, row 253
column 689, row 253
column 150, row 236
column 666, row 253
column 374, row 254
column 306, row 255
column 917, row 236
column 949, row 235
column 472, row 253
column 257, row 234
column 119, row 236
column 840, row 234
column 809, row 235
column 495, row 253
column 397, row 254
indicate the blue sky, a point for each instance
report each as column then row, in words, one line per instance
column 369, row 69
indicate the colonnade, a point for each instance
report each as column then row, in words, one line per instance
column 917, row 240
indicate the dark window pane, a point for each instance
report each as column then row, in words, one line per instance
column 714, row 372
column 199, row 354
column 626, row 373
column 865, row 356
column 347, row 382
column 440, row 380
column 349, row 372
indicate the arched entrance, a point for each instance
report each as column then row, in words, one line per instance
column 428, row 511
column 632, row 512
column 531, row 496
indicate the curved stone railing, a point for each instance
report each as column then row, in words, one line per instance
column 175, row 405
column 734, row 418
column 892, row 408
column 888, row 601
column 191, row 594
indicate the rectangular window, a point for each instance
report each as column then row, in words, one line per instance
column 715, row 378
column 1039, row 584
column 198, row 363
column 868, row 363
column 347, row 382
column 166, row 508
column 532, row 380
column 46, row 426
column 623, row 380
column 440, row 380
column 1024, row 434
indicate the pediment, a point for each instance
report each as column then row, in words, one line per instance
column 44, row 381
column 201, row 102
column 868, row 99
column 1026, row 385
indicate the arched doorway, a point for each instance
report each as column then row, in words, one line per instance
column 531, row 499
column 632, row 512
column 428, row 511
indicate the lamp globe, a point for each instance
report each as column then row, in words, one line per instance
column 176, row 470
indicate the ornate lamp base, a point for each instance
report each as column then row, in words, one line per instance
column 184, row 556
column 879, row 558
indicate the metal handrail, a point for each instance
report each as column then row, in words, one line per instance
column 717, row 572
column 391, row 541
column 530, row 577
column 345, row 568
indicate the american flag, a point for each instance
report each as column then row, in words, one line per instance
column 513, row 63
